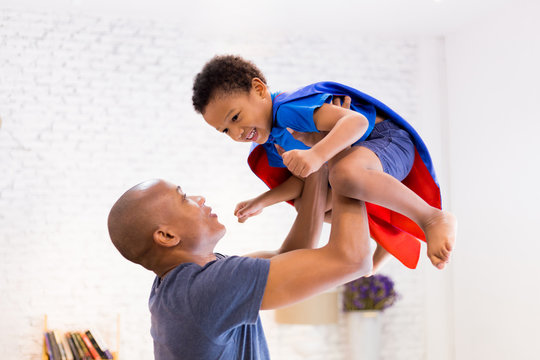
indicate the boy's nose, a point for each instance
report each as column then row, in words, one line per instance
column 236, row 133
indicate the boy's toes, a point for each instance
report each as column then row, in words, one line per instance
column 438, row 262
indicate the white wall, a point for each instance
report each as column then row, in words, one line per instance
column 494, row 93
column 91, row 106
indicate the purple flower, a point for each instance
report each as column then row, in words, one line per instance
column 369, row 293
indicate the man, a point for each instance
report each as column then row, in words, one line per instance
column 205, row 305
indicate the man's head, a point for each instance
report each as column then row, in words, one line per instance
column 232, row 95
column 155, row 224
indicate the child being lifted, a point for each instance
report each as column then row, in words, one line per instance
column 378, row 157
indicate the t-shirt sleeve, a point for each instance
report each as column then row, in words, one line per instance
column 298, row 114
column 228, row 293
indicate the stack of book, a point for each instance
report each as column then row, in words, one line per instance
column 77, row 345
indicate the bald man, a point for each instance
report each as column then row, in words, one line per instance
column 206, row 306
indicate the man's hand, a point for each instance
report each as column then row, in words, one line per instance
column 247, row 209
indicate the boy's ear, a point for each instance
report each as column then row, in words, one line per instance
column 165, row 237
column 258, row 86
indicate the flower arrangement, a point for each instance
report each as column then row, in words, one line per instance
column 369, row 293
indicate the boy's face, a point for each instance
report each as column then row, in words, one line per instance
column 245, row 117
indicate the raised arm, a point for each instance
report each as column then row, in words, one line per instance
column 298, row 274
column 306, row 229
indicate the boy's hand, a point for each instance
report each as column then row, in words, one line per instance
column 247, row 209
column 302, row 163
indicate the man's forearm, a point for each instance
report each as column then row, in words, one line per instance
column 307, row 226
column 298, row 274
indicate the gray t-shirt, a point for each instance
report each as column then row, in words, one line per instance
column 210, row 312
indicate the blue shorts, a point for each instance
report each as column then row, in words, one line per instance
column 393, row 146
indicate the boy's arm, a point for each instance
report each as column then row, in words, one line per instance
column 344, row 127
column 288, row 190
column 306, row 229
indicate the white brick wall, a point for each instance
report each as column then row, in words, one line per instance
column 91, row 106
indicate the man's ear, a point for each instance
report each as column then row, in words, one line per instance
column 165, row 237
column 259, row 86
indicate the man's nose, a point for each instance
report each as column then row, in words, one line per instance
column 200, row 200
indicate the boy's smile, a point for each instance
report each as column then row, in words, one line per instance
column 245, row 117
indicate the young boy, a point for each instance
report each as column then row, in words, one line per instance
column 379, row 157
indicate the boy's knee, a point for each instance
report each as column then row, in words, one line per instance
column 342, row 178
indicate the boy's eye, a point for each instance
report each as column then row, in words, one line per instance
column 225, row 131
column 234, row 118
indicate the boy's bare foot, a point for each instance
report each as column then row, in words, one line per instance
column 440, row 233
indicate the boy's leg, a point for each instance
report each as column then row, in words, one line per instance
column 358, row 173
column 380, row 256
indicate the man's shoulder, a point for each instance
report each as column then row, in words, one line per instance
column 219, row 265
column 235, row 261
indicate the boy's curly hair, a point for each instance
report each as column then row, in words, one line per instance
column 223, row 73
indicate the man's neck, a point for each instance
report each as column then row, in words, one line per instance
column 166, row 265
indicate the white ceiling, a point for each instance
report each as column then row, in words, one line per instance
column 417, row 17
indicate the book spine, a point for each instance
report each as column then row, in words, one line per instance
column 55, row 348
column 88, row 343
column 67, row 349
column 84, row 351
column 48, row 345
column 58, row 338
column 73, row 348
column 102, row 344
column 95, row 344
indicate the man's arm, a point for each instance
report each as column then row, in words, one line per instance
column 307, row 227
column 299, row 274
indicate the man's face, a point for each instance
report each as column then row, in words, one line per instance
column 194, row 221
column 245, row 117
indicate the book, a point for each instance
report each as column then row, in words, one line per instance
column 55, row 348
column 67, row 349
column 102, row 345
column 74, row 349
column 85, row 354
column 88, row 343
column 58, row 338
column 48, row 345
column 102, row 355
